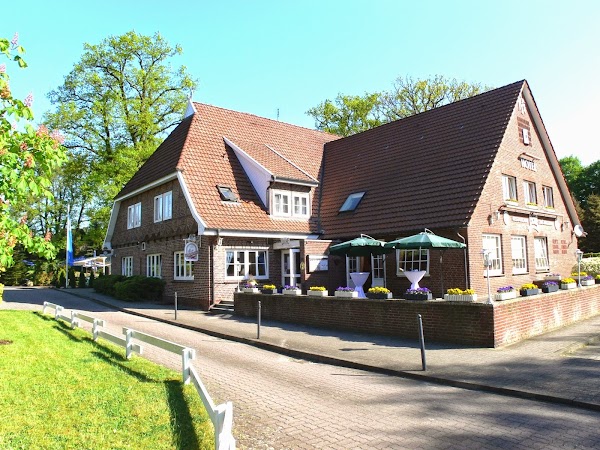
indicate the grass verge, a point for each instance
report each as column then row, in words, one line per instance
column 61, row 390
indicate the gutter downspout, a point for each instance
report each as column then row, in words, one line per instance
column 212, row 270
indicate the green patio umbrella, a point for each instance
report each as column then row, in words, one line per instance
column 361, row 246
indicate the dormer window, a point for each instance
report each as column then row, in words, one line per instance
column 352, row 201
column 227, row 194
column 290, row 203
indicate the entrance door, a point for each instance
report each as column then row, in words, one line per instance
column 290, row 267
column 378, row 270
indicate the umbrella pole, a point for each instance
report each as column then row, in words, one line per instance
column 442, row 269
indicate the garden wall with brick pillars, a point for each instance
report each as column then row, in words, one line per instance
column 473, row 324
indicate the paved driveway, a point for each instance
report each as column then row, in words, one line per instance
column 284, row 403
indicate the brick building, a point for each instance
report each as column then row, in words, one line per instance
column 263, row 199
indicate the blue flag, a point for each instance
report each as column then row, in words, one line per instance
column 69, row 243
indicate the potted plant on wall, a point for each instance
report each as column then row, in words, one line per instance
column 318, row 291
column 460, row 295
column 568, row 283
column 588, row 280
column 505, row 293
column 291, row 290
column 552, row 277
column 346, row 292
column 269, row 289
column 250, row 287
column 421, row 293
column 379, row 293
column 598, row 279
column 529, row 289
column 549, row 286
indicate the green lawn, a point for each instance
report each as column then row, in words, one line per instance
column 61, row 390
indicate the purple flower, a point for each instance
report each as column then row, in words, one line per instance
column 502, row 289
column 550, row 283
column 287, row 286
column 588, row 277
column 28, row 100
column 345, row 289
column 421, row 290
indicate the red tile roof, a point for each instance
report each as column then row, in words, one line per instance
column 197, row 148
column 427, row 170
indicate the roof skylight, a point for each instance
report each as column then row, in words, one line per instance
column 227, row 194
column 352, row 201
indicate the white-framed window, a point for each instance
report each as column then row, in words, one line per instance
column 134, row 215
column 182, row 269
column 509, row 188
column 493, row 243
column 352, row 201
column 154, row 266
column 530, row 194
column 127, row 266
column 518, row 246
column 163, row 206
column 243, row 264
column 290, row 203
column 548, row 197
column 412, row 260
column 300, row 202
column 540, row 247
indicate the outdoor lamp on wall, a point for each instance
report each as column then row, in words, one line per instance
column 486, row 253
column 579, row 255
column 494, row 217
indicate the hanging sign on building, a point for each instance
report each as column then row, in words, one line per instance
column 190, row 249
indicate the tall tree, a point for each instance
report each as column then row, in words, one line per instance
column 572, row 170
column 114, row 108
column 27, row 159
column 349, row 114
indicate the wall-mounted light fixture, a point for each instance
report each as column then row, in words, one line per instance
column 494, row 217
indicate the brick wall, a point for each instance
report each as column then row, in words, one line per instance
column 477, row 324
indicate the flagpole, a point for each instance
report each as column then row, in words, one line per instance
column 69, row 248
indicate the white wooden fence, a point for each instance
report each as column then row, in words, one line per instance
column 220, row 415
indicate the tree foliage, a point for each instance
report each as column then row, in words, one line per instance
column 28, row 158
column 350, row 114
column 114, row 107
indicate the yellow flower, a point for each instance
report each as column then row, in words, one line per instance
column 379, row 290
column 318, row 288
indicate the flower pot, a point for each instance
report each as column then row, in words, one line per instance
column 587, row 282
column 427, row 296
column 374, row 296
column 528, row 292
column 292, row 292
column 551, row 288
column 346, row 294
column 318, row 293
column 269, row 291
column 552, row 278
column 566, row 286
column 253, row 290
column 461, row 297
column 505, row 295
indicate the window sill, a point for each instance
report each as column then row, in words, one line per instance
column 183, row 280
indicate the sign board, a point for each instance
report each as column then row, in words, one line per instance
column 318, row 263
column 190, row 251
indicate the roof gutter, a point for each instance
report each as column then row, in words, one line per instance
column 277, row 179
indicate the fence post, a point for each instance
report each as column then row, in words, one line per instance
column 259, row 318
column 128, row 344
column 422, row 341
column 44, row 308
column 74, row 321
column 175, row 305
column 57, row 312
column 95, row 329
column 187, row 354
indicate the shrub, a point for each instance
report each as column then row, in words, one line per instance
column 92, row 278
column 589, row 265
column 139, row 288
column 72, row 278
column 62, row 279
column 106, row 284
column 82, row 281
column 1, row 291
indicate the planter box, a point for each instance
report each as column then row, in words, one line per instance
column 505, row 295
column 587, row 282
column 292, row 292
column 379, row 296
column 548, row 289
column 428, row 296
column 528, row 292
column 269, row 291
column 552, row 278
column 251, row 290
column 318, row 293
column 460, row 298
column 346, row 294
column 568, row 286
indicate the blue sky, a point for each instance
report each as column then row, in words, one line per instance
column 261, row 56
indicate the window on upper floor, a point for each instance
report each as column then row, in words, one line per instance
column 154, row 266
column 290, row 203
column 493, row 244
column 227, row 194
column 409, row 260
column 127, row 266
column 182, row 269
column 548, row 197
column 163, row 206
column 530, row 194
column 134, row 216
column 509, row 188
column 352, row 201
column 519, row 253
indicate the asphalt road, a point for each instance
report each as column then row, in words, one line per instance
column 283, row 403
